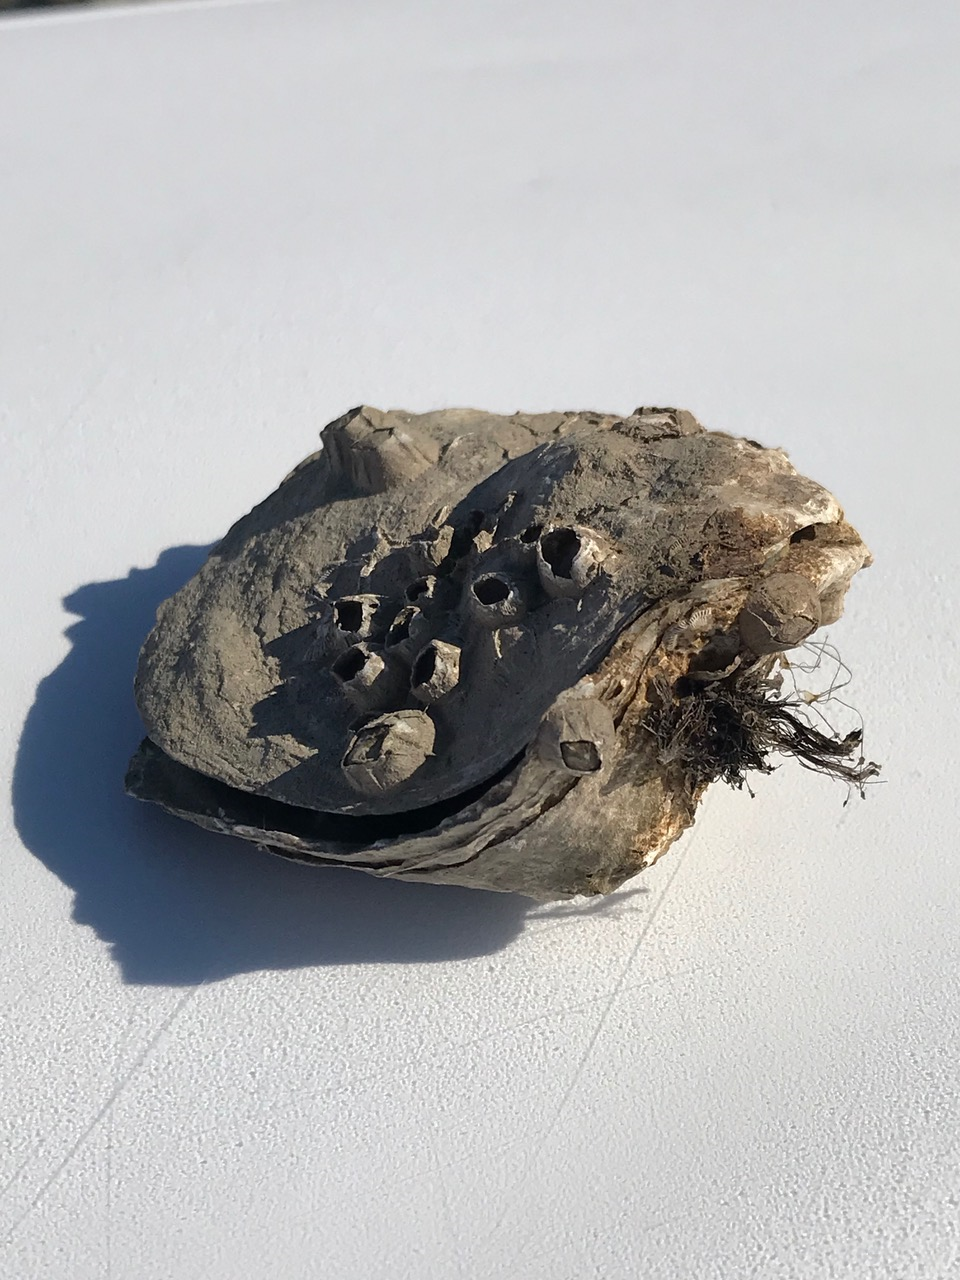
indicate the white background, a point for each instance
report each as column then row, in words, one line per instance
column 221, row 226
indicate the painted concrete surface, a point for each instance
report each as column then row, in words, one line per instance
column 221, row 226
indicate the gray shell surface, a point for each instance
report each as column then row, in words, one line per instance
column 386, row 661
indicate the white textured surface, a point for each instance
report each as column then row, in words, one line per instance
column 222, row 226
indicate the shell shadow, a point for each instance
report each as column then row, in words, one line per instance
column 178, row 905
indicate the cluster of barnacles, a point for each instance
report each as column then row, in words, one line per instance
column 394, row 659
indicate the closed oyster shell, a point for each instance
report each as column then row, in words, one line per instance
column 567, row 564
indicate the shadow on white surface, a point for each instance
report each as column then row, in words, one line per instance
column 177, row 904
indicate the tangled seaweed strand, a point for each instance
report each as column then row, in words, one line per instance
column 725, row 729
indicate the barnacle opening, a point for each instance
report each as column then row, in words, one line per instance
column 367, row 745
column 491, row 589
column 461, row 542
column 581, row 756
column 559, row 549
column 400, row 628
column 348, row 615
column 350, row 663
column 424, row 667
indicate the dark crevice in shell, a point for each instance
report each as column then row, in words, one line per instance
column 155, row 776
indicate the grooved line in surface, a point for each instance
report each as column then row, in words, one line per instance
column 93, row 1124
column 584, row 1058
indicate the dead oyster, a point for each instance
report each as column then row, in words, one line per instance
column 501, row 651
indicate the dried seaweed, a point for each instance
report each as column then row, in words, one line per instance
column 728, row 728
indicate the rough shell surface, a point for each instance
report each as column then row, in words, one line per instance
column 504, row 585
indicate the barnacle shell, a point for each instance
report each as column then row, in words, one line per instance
column 430, row 653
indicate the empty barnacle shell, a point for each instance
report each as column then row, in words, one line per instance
column 421, row 590
column 567, row 560
column 435, row 672
column 576, row 735
column 494, row 600
column 353, row 615
column 347, row 620
column 407, row 633
column 433, row 596
column 523, row 545
column 428, row 550
column 367, row 676
column 660, row 571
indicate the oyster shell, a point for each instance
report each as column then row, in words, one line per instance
column 435, row 651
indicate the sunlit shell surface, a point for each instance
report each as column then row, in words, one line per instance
column 431, row 652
